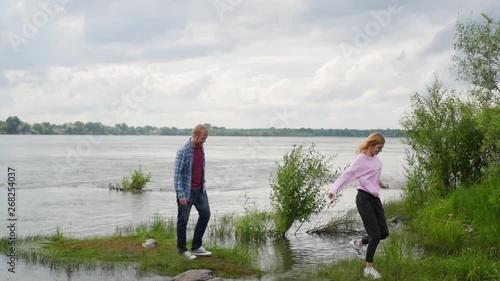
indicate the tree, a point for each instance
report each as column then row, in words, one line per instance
column 47, row 128
column 443, row 143
column 13, row 125
column 489, row 123
column 25, row 128
column 478, row 60
column 94, row 128
column 298, row 187
column 38, row 128
column 121, row 129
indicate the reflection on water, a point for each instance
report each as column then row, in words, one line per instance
column 28, row 271
column 62, row 183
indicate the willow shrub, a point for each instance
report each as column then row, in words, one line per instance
column 298, row 188
column 443, row 144
column 137, row 181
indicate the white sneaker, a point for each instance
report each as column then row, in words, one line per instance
column 371, row 272
column 358, row 250
column 201, row 252
column 189, row 255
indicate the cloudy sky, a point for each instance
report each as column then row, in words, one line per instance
column 232, row 63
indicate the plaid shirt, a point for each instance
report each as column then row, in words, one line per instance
column 184, row 169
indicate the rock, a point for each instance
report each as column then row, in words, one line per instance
column 197, row 275
column 150, row 243
column 397, row 219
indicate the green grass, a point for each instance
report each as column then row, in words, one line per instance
column 467, row 219
column 125, row 248
column 253, row 226
column 399, row 259
column 221, row 227
column 447, row 239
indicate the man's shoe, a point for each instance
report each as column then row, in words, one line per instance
column 201, row 252
column 358, row 250
column 188, row 255
column 371, row 272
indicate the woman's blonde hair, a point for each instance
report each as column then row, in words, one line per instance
column 372, row 139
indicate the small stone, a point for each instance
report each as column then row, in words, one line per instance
column 150, row 243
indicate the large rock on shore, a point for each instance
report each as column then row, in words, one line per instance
column 197, row 275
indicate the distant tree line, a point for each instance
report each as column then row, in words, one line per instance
column 14, row 126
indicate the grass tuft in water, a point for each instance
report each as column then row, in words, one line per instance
column 254, row 226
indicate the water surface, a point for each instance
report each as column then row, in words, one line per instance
column 62, row 183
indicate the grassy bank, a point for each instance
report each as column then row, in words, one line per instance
column 447, row 239
column 125, row 248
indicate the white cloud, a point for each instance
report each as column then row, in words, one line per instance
column 263, row 64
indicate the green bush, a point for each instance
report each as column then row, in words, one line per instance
column 253, row 226
column 298, row 187
column 489, row 123
column 443, row 144
column 137, row 181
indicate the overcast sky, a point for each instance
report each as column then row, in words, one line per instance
column 232, row 63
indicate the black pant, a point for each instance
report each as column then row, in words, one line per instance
column 372, row 213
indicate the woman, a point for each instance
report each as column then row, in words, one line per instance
column 366, row 168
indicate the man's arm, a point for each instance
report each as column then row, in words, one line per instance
column 179, row 174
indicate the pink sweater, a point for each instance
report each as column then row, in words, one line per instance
column 366, row 170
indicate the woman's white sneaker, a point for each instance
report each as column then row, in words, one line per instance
column 371, row 272
column 358, row 250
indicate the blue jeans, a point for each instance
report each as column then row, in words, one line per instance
column 199, row 200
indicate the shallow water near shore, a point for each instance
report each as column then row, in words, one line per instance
column 63, row 183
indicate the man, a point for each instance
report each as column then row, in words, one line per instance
column 189, row 182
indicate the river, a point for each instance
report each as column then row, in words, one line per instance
column 62, row 183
